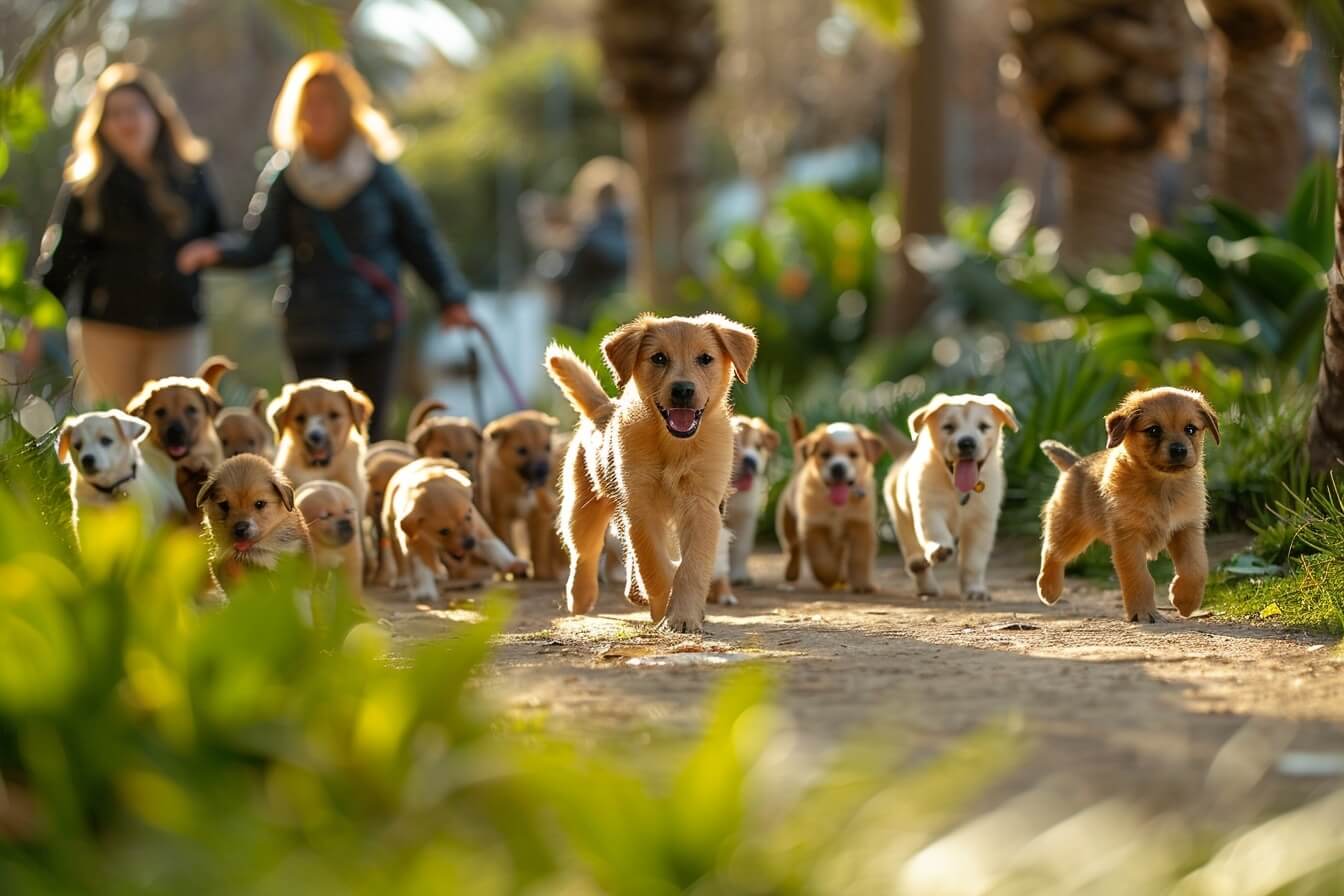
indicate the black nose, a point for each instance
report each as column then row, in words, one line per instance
column 345, row 528
column 468, row 543
column 314, row 438
column 749, row 464
column 241, row 530
column 838, row 470
column 541, row 471
column 1177, row 451
column 89, row 463
column 175, row 433
column 966, row 445
column 682, row 393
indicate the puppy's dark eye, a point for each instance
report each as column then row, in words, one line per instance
column 79, row 446
column 223, row 507
column 192, row 410
column 259, row 504
column 949, row 428
column 1154, row 431
column 471, row 455
column 522, row 451
column 705, row 360
column 445, row 532
column 161, row 413
column 448, row 454
column 853, row 455
column 1190, row 430
column 300, row 418
column 335, row 415
column 984, row 427
column 659, row 359
column 106, row 441
column 825, row 455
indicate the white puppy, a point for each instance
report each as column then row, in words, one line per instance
column 102, row 450
column 945, row 489
column 754, row 442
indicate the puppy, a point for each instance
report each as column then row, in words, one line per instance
column 515, row 485
column 438, row 435
column 828, row 511
column 1142, row 495
column 319, row 428
column 102, row 451
column 333, row 519
column 381, row 462
column 658, row 458
column 183, row 446
column 754, row 443
column 251, row 521
column 945, row 488
column 246, row 430
column 429, row 511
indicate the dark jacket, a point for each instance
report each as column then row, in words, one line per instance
column 332, row 305
column 129, row 265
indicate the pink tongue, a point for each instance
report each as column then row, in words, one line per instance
column 177, row 450
column 839, row 494
column 966, row 476
column 681, row 419
column 743, row 483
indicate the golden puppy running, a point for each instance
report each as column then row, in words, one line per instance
column 183, row 446
column 1143, row 494
column 333, row 520
column 102, row 450
column 658, row 458
column 945, row 489
column 429, row 511
column 250, row 519
column 319, row 426
column 382, row 460
column 246, row 430
column 828, row 511
column 433, row 434
column 515, row 485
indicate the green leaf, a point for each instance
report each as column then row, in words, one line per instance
column 1235, row 221
column 12, row 256
column 47, row 313
column 311, row 25
column 895, row 21
column 4, row 155
column 1309, row 221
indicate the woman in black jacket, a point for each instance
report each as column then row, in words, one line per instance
column 331, row 195
column 135, row 193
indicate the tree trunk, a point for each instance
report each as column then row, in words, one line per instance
column 660, row 148
column 1325, row 429
column 1255, row 128
column 924, row 137
column 1104, row 191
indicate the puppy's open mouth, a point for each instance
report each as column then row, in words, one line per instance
column 242, row 547
column 319, row 457
column 177, row 452
column 455, row 555
column 681, row 422
column 966, row 474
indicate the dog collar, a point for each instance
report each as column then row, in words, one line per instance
column 117, row 489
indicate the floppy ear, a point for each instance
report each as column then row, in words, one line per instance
column 1210, row 419
column 621, row 349
column 873, row 447
column 284, row 490
column 203, row 496
column 418, row 436
column 278, row 413
column 133, row 428
column 805, row 446
column 410, row 525
column 1117, row 425
column 138, row 406
column 769, row 437
column 738, row 341
column 920, row 415
column 259, row 399
column 361, row 407
column 1003, row 410
column 493, row 430
column 63, row 443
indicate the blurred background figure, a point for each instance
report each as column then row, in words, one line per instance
column 135, row 191
column 332, row 196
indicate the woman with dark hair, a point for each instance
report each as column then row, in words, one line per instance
column 135, row 193
column 333, row 197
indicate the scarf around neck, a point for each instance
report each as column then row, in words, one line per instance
column 331, row 184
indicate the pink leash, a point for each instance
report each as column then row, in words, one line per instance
column 504, row 374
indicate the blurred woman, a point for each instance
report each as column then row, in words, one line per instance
column 333, row 197
column 135, row 193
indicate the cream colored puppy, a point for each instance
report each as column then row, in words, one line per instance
column 754, row 443
column 333, row 520
column 319, row 427
column 102, row 450
column 945, row 489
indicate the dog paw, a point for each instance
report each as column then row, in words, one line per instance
column 918, row 565
column 1147, row 617
column 746, row 581
column 976, row 594
column 679, row 621
column 940, row 553
column 517, row 569
column 727, row 600
column 865, row 588
column 928, row 592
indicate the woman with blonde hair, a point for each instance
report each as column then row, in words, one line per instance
column 135, row 193
column 333, row 197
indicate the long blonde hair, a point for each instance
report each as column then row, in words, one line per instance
column 175, row 152
column 364, row 118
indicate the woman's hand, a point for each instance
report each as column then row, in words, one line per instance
column 197, row 254
column 455, row 316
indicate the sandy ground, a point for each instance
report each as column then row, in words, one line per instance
column 1165, row 711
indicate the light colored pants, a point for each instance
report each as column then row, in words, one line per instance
column 111, row 361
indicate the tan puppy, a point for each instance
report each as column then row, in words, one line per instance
column 250, row 518
column 333, row 520
column 433, row 434
column 515, row 485
column 1143, row 494
column 183, row 446
column 658, row 458
column 381, row 462
column 246, row 430
column 945, row 489
column 319, row 426
column 828, row 511
column 102, row 450
column 754, row 443
column 429, row 511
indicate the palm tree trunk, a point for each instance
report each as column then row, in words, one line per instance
column 1255, row 128
column 660, row 148
column 1325, row 429
column 1104, row 191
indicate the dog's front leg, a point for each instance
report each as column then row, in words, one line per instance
column 935, row 538
column 422, row 561
column 1191, row 559
column 1136, row 583
column 540, row 526
column 699, row 526
column 740, row 551
column 823, row 554
column 977, row 543
column 648, row 567
column 862, row 539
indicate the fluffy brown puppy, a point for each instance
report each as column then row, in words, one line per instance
column 381, row 462
column 433, row 434
column 658, row 458
column 429, row 511
column 183, row 446
column 828, row 511
column 246, row 430
column 319, row 426
column 333, row 520
column 250, row 518
column 1142, row 495
column 515, row 485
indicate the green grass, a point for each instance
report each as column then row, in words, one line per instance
column 1311, row 598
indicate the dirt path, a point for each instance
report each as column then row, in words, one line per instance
column 1111, row 705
